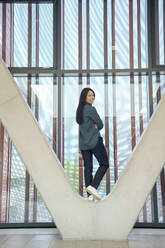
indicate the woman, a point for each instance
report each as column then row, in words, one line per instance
column 91, row 142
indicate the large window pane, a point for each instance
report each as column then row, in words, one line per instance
column 96, row 34
column 161, row 32
column 122, row 33
column 40, row 89
column 17, row 189
column 46, row 35
column 70, row 34
column 21, row 35
column 84, row 35
column 35, row 47
column 70, row 138
column 126, row 34
column 143, row 34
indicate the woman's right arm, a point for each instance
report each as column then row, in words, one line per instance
column 95, row 117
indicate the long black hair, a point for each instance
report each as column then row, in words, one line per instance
column 82, row 102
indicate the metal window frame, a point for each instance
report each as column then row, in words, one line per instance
column 151, row 26
column 28, row 1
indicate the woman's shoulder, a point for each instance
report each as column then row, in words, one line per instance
column 89, row 110
column 87, row 107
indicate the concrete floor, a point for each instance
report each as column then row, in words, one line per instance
column 50, row 238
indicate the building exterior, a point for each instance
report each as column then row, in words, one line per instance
column 55, row 48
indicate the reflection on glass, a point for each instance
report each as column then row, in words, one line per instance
column 33, row 60
column 122, row 33
column 160, row 205
column 109, row 28
column 146, row 212
column 45, row 35
column 42, row 91
column 41, row 25
column 20, row 35
column 17, row 189
column 158, row 88
column 17, row 195
column 70, row 139
column 123, row 121
column 22, row 84
column 84, row 35
column 161, row 33
column 143, row 34
column 70, row 34
column 96, row 34
column 43, row 103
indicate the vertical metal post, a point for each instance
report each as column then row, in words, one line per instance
column 105, row 16
column 80, row 84
column 140, row 82
column 150, row 23
column 57, row 64
column 88, row 40
column 54, row 37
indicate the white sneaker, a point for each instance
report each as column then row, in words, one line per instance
column 91, row 190
column 90, row 198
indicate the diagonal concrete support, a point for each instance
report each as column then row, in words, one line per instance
column 76, row 218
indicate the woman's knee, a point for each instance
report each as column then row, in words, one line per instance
column 88, row 167
column 106, row 165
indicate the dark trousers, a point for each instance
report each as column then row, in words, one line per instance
column 101, row 155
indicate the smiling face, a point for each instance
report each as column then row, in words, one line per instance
column 90, row 97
